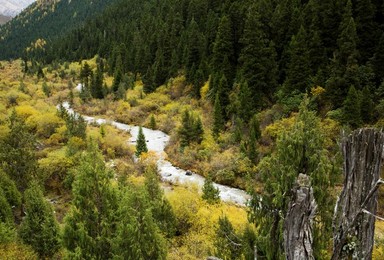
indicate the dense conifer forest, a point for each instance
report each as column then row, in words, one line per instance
column 255, row 95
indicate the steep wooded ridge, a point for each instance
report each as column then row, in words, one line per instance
column 45, row 20
column 253, row 94
column 273, row 50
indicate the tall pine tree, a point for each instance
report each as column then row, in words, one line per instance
column 141, row 143
column 90, row 224
column 39, row 227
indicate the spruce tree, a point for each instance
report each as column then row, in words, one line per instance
column 141, row 143
column 378, row 60
column 223, row 56
column 352, row 108
column 118, row 74
column 367, row 105
column 6, row 216
column 210, row 193
column 246, row 107
column 152, row 122
column 85, row 74
column 258, row 61
column 9, row 189
column 39, row 227
column 162, row 211
column 227, row 242
column 218, row 120
column 137, row 235
column 46, row 89
column 191, row 129
column 90, row 224
column 298, row 68
column 17, row 152
column 254, row 136
column 366, row 28
column 97, row 83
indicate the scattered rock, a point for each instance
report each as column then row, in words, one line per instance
column 188, row 173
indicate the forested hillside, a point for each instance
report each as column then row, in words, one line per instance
column 45, row 20
column 256, row 95
column 275, row 50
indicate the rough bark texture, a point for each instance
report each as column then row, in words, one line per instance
column 298, row 236
column 354, row 229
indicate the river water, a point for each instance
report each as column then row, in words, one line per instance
column 156, row 142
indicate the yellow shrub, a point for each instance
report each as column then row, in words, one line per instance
column 275, row 129
column 17, row 251
column 204, row 90
column 25, row 111
column 45, row 124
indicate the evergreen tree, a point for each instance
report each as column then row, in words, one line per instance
column 218, row 120
column 191, row 129
column 118, row 74
column 9, row 190
column 344, row 65
column 366, row 105
column 210, row 193
column 76, row 126
column 198, row 130
column 248, row 243
column 39, row 227
column 223, row 56
column 298, row 150
column 194, row 51
column 17, row 152
column 352, row 108
column 227, row 243
column 46, row 89
column 152, row 122
column 5, row 210
column 257, row 61
column 254, row 136
column 85, row 74
column 298, row 68
column 137, row 236
column 90, row 224
column 245, row 106
column 366, row 28
column 378, row 60
column 141, row 143
column 347, row 40
column 162, row 211
column 97, row 83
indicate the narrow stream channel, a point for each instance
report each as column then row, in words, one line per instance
column 156, row 142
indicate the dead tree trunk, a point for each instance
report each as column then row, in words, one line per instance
column 353, row 228
column 298, row 236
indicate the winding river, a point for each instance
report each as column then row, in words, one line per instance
column 156, row 142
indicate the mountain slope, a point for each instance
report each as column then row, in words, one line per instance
column 45, row 20
column 11, row 8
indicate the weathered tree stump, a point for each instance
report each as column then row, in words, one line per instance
column 353, row 227
column 298, row 236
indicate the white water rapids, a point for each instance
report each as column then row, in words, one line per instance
column 156, row 142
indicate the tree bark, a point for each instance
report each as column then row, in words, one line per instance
column 298, row 235
column 353, row 229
